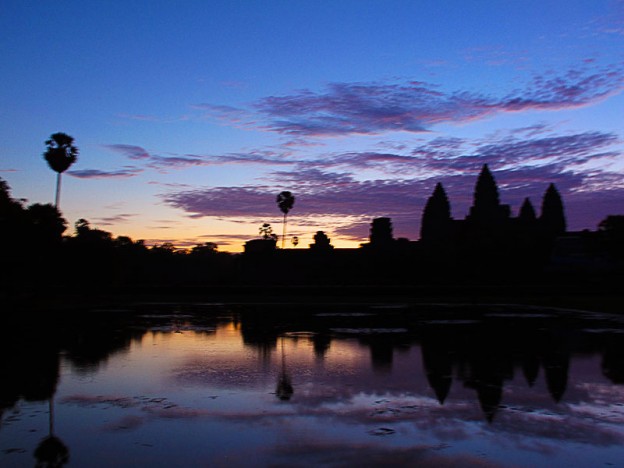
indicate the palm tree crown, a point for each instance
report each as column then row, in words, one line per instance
column 60, row 153
column 285, row 201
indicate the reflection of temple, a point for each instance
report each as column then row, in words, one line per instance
column 481, row 357
column 484, row 359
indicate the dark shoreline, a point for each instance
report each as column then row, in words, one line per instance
column 596, row 298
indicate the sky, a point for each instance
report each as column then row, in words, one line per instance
column 192, row 116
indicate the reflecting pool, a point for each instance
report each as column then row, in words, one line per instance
column 294, row 385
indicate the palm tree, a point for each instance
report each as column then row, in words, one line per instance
column 285, row 202
column 60, row 153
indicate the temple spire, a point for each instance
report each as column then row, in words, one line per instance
column 486, row 208
column 527, row 212
column 436, row 215
column 486, row 191
column 553, row 217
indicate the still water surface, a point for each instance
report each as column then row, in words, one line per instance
column 288, row 385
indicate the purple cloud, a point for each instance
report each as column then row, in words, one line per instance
column 566, row 150
column 112, row 220
column 181, row 161
column 160, row 162
column 99, row 174
column 322, row 193
column 228, row 114
column 370, row 108
column 130, row 151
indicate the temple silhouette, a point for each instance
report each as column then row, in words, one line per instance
column 490, row 237
column 490, row 222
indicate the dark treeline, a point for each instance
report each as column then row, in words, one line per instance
column 37, row 253
column 489, row 246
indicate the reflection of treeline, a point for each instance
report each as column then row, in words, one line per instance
column 30, row 353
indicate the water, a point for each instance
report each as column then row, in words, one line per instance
column 290, row 385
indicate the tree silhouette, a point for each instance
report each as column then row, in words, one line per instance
column 321, row 242
column 60, row 154
column 266, row 231
column 285, row 202
column 46, row 223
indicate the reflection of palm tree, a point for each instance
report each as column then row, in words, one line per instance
column 285, row 202
column 60, row 153
column 284, row 390
column 51, row 451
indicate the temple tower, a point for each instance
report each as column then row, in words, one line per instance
column 486, row 208
column 436, row 218
column 553, row 217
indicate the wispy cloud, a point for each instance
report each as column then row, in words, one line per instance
column 100, row 174
column 371, row 108
column 566, row 150
column 227, row 114
column 328, row 187
column 115, row 219
column 181, row 161
column 130, row 151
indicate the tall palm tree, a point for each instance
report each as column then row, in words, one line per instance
column 60, row 153
column 285, row 202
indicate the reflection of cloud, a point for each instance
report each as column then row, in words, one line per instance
column 324, row 452
column 92, row 400
column 125, row 423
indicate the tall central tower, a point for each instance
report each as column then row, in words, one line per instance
column 486, row 207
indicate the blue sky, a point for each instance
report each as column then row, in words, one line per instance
column 190, row 118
